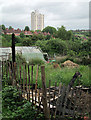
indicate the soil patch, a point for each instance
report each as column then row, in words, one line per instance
column 69, row 63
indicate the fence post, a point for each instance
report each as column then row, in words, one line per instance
column 44, row 97
column 89, row 107
column 14, row 72
column 13, row 47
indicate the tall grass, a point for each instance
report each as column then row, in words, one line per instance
column 63, row 75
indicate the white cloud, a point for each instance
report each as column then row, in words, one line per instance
column 71, row 13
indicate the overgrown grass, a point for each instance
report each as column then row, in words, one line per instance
column 63, row 75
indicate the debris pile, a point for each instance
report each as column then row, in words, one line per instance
column 69, row 63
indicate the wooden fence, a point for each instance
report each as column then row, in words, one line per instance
column 57, row 102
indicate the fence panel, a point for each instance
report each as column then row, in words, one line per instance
column 62, row 101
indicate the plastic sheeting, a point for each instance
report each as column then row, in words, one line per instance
column 27, row 52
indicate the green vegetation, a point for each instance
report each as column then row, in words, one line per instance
column 49, row 29
column 26, row 28
column 64, row 34
column 59, row 42
column 16, row 108
column 66, row 45
column 10, row 27
column 3, row 27
column 36, row 61
column 63, row 75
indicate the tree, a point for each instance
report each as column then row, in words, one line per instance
column 34, row 38
column 53, row 46
column 26, row 28
column 42, row 45
column 22, row 35
column 49, row 29
column 3, row 27
column 10, row 27
column 57, row 46
column 69, row 35
column 26, row 42
column 62, row 33
column 18, row 39
column 48, row 37
column 38, row 31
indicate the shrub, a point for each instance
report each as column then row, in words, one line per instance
column 36, row 61
column 20, row 59
column 15, row 108
column 61, row 59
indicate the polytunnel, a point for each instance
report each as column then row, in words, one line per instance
column 27, row 52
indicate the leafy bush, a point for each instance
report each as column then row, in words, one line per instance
column 36, row 61
column 15, row 108
column 20, row 59
column 61, row 59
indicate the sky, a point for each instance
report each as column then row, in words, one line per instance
column 73, row 14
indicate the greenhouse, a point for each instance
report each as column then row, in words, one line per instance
column 27, row 52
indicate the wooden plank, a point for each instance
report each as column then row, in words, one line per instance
column 60, row 100
column 20, row 82
column 29, row 83
column 68, row 90
column 49, row 92
column 24, row 79
column 39, row 97
column 12, row 72
column 74, row 98
column 32, row 82
column 14, row 79
column 36, row 83
column 53, row 109
column 44, row 97
column 2, row 69
column 70, row 106
column 17, row 72
column 6, row 72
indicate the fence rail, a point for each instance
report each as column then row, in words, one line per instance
column 56, row 101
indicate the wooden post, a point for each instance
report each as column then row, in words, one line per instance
column 2, row 70
column 13, row 47
column 77, row 74
column 32, row 82
column 29, row 83
column 49, row 93
column 90, row 95
column 89, row 107
column 20, row 85
column 24, row 80
column 44, row 94
column 17, row 72
column 36, row 83
column 14, row 78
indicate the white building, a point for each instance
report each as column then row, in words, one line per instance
column 37, row 21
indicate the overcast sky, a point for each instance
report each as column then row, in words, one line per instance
column 73, row 14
